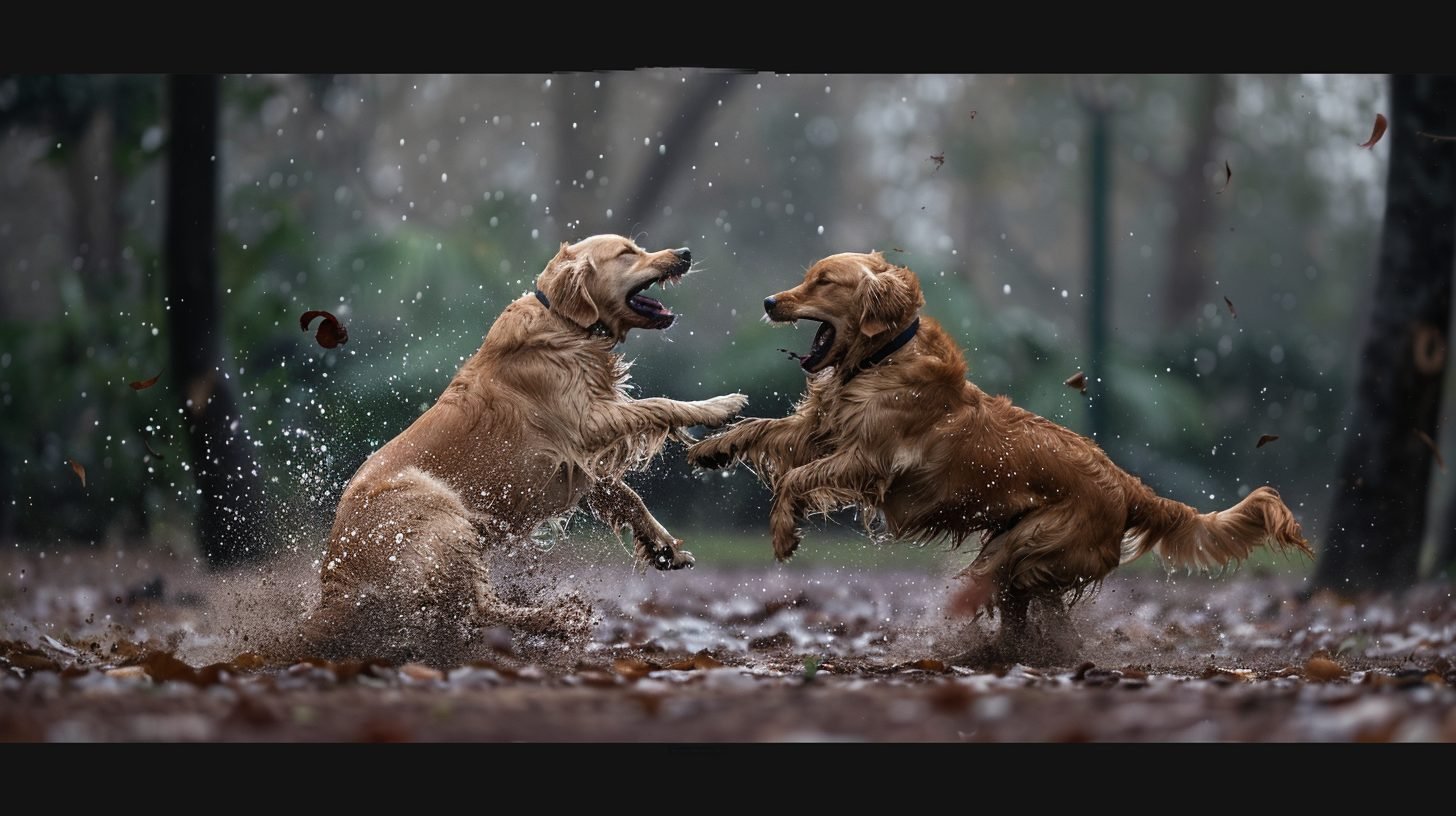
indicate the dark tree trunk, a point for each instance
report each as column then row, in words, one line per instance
column 233, row 501
column 1446, row 544
column 682, row 132
column 1187, row 282
column 1379, row 513
column 583, row 131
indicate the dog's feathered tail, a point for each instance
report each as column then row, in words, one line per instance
column 1187, row 539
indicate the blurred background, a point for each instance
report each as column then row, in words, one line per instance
column 1205, row 247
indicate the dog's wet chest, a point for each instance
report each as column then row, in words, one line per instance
column 853, row 418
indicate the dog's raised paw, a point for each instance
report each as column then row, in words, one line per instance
column 724, row 408
column 707, row 454
column 785, row 543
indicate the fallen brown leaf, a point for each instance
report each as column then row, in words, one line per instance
column 1431, row 443
column 331, row 332
column 634, row 668
column 140, row 384
column 1077, row 381
column 1232, row 311
column 1265, row 439
column 33, row 662
column 698, row 662
column 939, row 160
column 162, row 667
column 79, row 471
column 247, row 661
column 1228, row 176
column 703, row 661
column 421, row 673
column 1377, row 132
column 1323, row 670
column 928, row 664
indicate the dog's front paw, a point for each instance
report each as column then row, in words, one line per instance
column 721, row 409
column 711, row 453
column 975, row 597
column 665, row 556
column 785, row 542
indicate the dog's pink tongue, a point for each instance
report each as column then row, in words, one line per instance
column 650, row 304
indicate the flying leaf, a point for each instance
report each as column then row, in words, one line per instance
column 140, row 384
column 148, row 445
column 80, row 471
column 331, row 332
column 1232, row 311
column 1377, row 132
column 1264, row 440
column 939, row 160
column 1228, row 176
column 1077, row 381
column 1430, row 443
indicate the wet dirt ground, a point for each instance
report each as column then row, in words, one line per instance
column 128, row 646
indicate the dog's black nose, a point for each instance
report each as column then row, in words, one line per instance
column 685, row 254
column 768, row 304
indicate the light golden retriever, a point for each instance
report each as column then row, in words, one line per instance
column 891, row 424
column 535, row 422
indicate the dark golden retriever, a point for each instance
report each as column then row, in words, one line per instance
column 535, row 421
column 891, row 424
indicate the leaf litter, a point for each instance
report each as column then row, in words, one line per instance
column 1183, row 659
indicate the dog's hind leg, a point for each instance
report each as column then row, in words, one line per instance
column 616, row 504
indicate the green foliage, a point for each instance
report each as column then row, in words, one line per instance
column 320, row 223
column 811, row 667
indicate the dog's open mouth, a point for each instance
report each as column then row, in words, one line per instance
column 657, row 313
column 819, row 349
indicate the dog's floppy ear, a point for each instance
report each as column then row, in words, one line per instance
column 890, row 294
column 565, row 283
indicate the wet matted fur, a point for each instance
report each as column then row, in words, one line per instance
column 537, row 420
column 890, row 424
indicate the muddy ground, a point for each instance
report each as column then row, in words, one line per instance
column 124, row 646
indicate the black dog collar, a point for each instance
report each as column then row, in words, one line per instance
column 893, row 346
column 598, row 328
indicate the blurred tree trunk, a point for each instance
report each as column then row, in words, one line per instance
column 1187, row 281
column 683, row 130
column 94, row 184
column 583, row 132
column 1445, row 560
column 1379, row 512
column 233, row 501
column 1099, row 273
